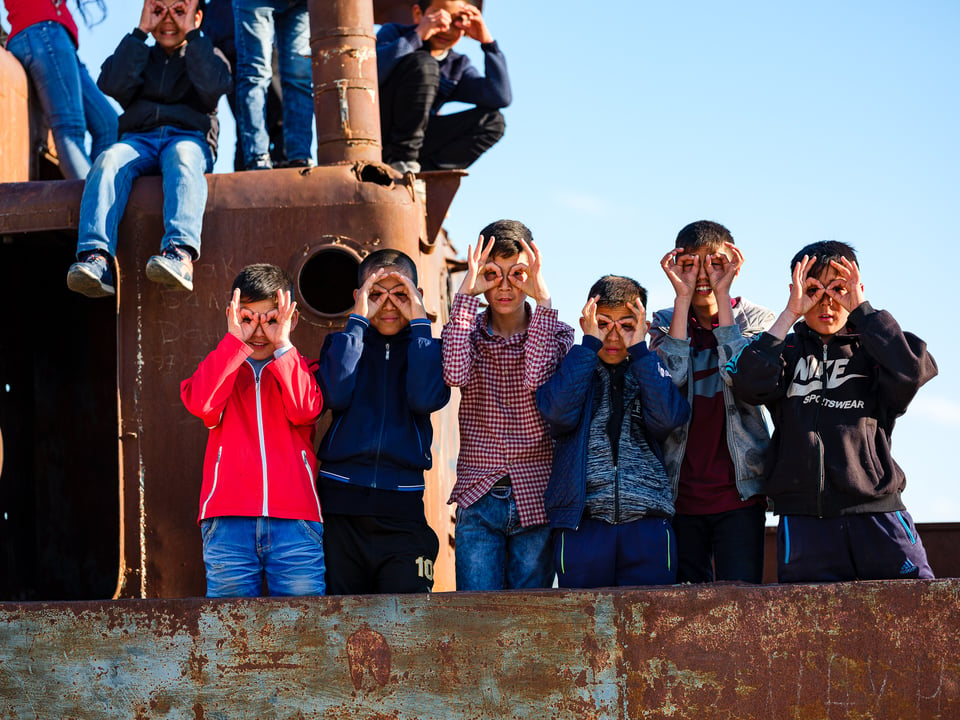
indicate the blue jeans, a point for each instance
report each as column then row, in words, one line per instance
column 495, row 552
column 721, row 546
column 70, row 99
column 180, row 156
column 241, row 552
column 256, row 22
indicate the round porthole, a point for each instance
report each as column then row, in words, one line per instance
column 327, row 280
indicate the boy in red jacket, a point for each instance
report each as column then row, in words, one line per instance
column 259, row 510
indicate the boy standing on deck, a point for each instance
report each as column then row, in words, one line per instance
column 835, row 387
column 382, row 378
column 715, row 460
column 259, row 511
column 498, row 358
column 609, row 407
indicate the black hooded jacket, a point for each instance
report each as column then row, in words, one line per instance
column 834, row 406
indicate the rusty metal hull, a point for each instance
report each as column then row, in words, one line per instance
column 856, row 650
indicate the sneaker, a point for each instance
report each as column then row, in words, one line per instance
column 260, row 162
column 92, row 276
column 298, row 163
column 172, row 267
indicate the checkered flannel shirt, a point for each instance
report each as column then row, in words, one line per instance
column 501, row 430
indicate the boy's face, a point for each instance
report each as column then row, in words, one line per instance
column 504, row 298
column 827, row 317
column 170, row 33
column 449, row 38
column 703, row 296
column 389, row 320
column 262, row 313
column 615, row 322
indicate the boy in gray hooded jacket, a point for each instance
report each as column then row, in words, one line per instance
column 715, row 461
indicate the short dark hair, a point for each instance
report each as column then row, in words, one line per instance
column 703, row 234
column 507, row 235
column 261, row 281
column 424, row 4
column 386, row 258
column 617, row 290
column 824, row 251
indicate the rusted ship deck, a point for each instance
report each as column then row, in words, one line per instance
column 851, row 650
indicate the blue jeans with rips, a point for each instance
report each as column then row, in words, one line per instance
column 240, row 553
column 71, row 101
column 256, row 24
column 496, row 552
column 180, row 156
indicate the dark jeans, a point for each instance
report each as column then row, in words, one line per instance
column 721, row 546
column 872, row 546
column 438, row 142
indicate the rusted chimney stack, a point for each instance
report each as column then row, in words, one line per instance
column 345, row 100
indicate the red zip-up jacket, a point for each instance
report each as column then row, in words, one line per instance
column 259, row 459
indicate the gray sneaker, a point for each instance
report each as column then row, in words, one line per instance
column 172, row 267
column 92, row 275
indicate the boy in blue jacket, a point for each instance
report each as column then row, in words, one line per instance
column 609, row 407
column 382, row 377
column 419, row 71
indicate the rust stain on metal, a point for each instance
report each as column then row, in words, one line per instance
column 368, row 652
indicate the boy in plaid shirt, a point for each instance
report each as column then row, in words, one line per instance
column 498, row 358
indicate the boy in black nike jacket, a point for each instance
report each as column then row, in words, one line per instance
column 835, row 387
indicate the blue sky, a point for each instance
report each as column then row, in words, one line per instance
column 788, row 123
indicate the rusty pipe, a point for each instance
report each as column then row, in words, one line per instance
column 345, row 98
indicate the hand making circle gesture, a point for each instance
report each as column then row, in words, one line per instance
column 805, row 291
column 723, row 269
column 369, row 301
column 681, row 270
column 406, row 297
column 278, row 323
column 473, row 25
column 846, row 287
column 528, row 277
column 482, row 275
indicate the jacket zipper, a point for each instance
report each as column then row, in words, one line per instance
column 263, row 445
column 816, row 432
column 383, row 414
column 616, row 494
column 164, row 93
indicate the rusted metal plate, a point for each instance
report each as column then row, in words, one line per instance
column 38, row 206
column 859, row 650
